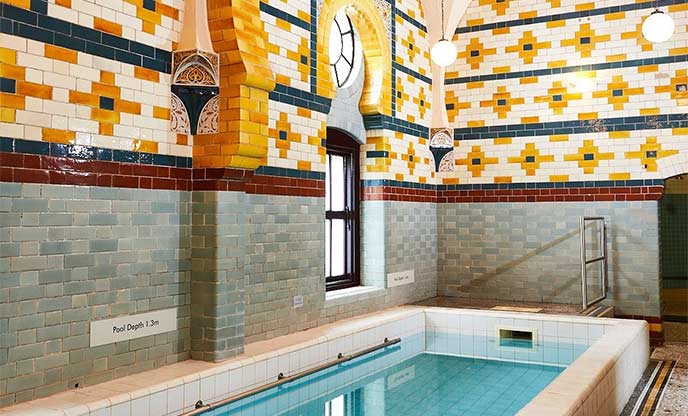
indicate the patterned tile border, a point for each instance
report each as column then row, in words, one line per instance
column 37, row 25
column 569, row 15
column 299, row 98
column 661, row 121
column 413, row 73
column 569, row 69
column 90, row 153
column 384, row 122
column 411, row 20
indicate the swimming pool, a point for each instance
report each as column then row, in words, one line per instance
column 424, row 384
column 599, row 360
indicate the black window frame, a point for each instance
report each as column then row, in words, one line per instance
column 339, row 143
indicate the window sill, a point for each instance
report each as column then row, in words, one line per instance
column 352, row 294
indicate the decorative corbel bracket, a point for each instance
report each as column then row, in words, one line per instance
column 442, row 149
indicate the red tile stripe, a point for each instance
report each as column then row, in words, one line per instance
column 591, row 194
column 29, row 168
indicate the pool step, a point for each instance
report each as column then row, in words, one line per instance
column 599, row 312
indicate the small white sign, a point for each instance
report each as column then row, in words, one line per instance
column 401, row 377
column 297, row 301
column 400, row 278
column 128, row 327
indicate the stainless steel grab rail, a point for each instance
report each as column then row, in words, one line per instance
column 585, row 261
column 282, row 379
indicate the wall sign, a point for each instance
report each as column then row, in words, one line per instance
column 128, row 327
column 400, row 278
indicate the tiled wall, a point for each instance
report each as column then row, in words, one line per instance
column 565, row 91
column 70, row 255
column 530, row 252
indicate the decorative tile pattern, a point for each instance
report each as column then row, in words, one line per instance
column 574, row 82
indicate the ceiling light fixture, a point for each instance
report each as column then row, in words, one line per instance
column 658, row 27
column 443, row 53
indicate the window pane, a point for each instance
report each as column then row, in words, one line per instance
column 338, row 252
column 335, row 407
column 327, row 247
column 348, row 47
column 337, row 185
column 327, row 183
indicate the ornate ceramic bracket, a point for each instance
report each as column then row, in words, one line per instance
column 442, row 149
column 195, row 75
column 195, row 88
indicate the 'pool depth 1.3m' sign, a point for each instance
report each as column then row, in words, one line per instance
column 128, row 327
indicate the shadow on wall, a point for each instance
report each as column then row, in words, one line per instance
column 531, row 252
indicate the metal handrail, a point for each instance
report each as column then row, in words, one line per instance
column 585, row 261
column 282, row 379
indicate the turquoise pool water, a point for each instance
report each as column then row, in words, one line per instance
column 404, row 381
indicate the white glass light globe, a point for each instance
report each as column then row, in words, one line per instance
column 443, row 53
column 658, row 27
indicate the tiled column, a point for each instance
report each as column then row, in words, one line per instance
column 217, row 279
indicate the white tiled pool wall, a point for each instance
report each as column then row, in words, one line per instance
column 613, row 354
column 557, row 340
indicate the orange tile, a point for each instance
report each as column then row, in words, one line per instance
column 587, row 116
column 107, row 77
column 99, row 89
column 649, row 111
column 615, row 16
column 476, row 123
column 57, row 136
column 12, row 71
column 529, row 80
column 34, row 90
column 166, row 10
column 145, row 146
column 24, row 4
column 556, row 23
column 450, row 181
column 105, row 129
column 503, row 140
column 8, row 56
column 621, row 176
column 7, row 115
column 64, row 3
column 527, row 15
column 161, row 113
column 558, row 178
column 616, row 58
column 533, row 119
column 125, row 106
column 502, row 179
column 12, row 100
column 76, row 97
column 62, row 54
column 182, row 139
column 619, row 134
column 585, row 6
column 104, row 115
column 648, row 68
column 303, row 165
column 147, row 74
column 556, row 64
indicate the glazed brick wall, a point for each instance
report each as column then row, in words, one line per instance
column 285, row 257
column 70, row 255
column 530, row 252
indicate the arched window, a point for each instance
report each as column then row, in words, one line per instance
column 341, row 211
column 342, row 49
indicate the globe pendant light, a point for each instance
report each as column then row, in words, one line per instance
column 443, row 53
column 658, row 27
